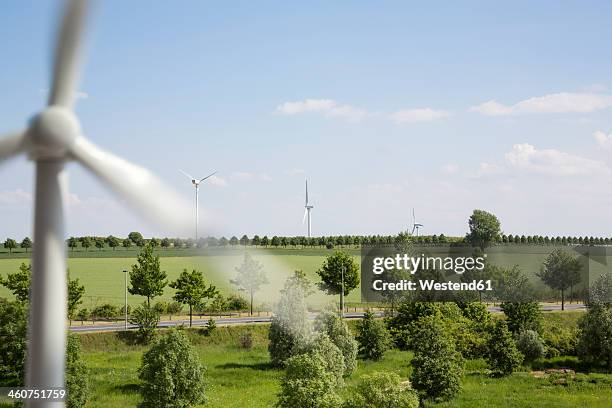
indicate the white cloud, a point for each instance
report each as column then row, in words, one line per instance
column 417, row 115
column 525, row 157
column 562, row 102
column 15, row 197
column 603, row 140
column 326, row 107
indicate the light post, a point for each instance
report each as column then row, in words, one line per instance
column 126, row 305
column 342, row 294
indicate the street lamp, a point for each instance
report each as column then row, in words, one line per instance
column 126, row 306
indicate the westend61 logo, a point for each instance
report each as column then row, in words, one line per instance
column 385, row 270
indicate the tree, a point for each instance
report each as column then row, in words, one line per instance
column 560, row 272
column 10, row 244
column 136, row 238
column 171, row 375
column 113, row 242
column 99, row 242
column 521, row 316
column 484, row 229
column 73, row 243
column 147, row 278
column 244, row 241
column 146, row 318
column 256, row 241
column 19, row 282
column 383, row 390
column 26, row 243
column 75, row 296
column 595, row 340
column 372, row 336
column 165, row 243
column 191, row 289
column 529, row 343
column 86, row 243
column 503, row 357
column 338, row 332
column 13, row 330
column 77, row 381
column 250, row 277
column 126, row 243
column 334, row 266
column 233, row 241
column 437, row 365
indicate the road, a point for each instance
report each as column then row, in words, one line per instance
column 230, row 321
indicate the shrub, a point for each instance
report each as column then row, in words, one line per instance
column 523, row 316
column 373, row 337
column 595, row 340
column 560, row 340
column 238, row 303
column 476, row 312
column 171, row 375
column 322, row 345
column 383, row 390
column 13, row 330
column 503, row 357
column 77, row 382
column 337, row 330
column 174, row 308
column 530, row 345
column 211, row 326
column 403, row 325
column 106, row 311
column 83, row 314
column 146, row 318
column 161, row 307
column 437, row 366
column 246, row 340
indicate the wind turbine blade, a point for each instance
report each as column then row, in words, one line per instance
column 305, row 213
column 188, row 176
column 306, row 192
column 210, row 175
column 67, row 54
column 10, row 145
column 413, row 217
column 138, row 186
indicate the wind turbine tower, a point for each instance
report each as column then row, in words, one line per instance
column 415, row 224
column 196, row 183
column 307, row 208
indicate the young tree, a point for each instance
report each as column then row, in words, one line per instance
column 13, row 329
column 77, row 381
column 437, row 365
column 383, row 390
column 530, row 344
column 373, row 337
column 595, row 339
column 171, row 375
column 26, row 243
column 503, row 357
column 560, row 272
column 332, row 270
column 191, row 289
column 484, row 229
column 250, row 276
column 147, row 279
column 338, row 332
column 19, row 282
column 10, row 244
column 75, row 296
column 146, row 318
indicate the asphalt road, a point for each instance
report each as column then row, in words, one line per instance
column 230, row 321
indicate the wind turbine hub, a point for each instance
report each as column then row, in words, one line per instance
column 52, row 133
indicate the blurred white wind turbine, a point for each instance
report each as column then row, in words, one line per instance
column 196, row 183
column 53, row 138
column 415, row 224
column 307, row 208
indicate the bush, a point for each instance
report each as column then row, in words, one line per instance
column 595, row 340
column 77, row 381
column 161, row 307
column 237, row 303
column 312, row 378
column 530, row 345
column 174, row 308
column 523, row 316
column 106, row 311
column 503, row 357
column 337, row 330
column 437, row 366
column 383, row 390
column 373, row 337
column 476, row 312
column 83, row 315
column 246, row 340
column 13, row 330
column 211, row 326
column 146, row 318
column 403, row 325
column 171, row 375
column 560, row 340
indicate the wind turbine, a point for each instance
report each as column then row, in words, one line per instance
column 307, row 208
column 415, row 224
column 52, row 138
column 196, row 183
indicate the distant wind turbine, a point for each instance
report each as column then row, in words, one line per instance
column 52, row 138
column 307, row 208
column 196, row 183
column 415, row 224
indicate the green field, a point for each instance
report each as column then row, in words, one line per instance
column 243, row 378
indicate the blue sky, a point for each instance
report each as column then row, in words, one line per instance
column 384, row 106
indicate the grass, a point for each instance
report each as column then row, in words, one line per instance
column 243, row 378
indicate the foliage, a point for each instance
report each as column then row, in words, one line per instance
column 595, row 339
column 146, row 318
column 529, row 343
column 238, row 303
column 290, row 329
column 26, row 243
column 338, row 332
column 403, row 325
column 331, row 274
column 503, row 356
column 10, row 244
column 484, row 229
column 383, row 390
column 437, row 365
column 13, row 330
column 246, row 340
column 19, row 282
column 373, row 337
column 250, row 276
column 105, row 311
column 560, row 340
column 171, row 375
column 476, row 312
column 83, row 314
column 560, row 272
column 136, row 238
column 75, row 296
column 211, row 326
column 191, row 289
column 147, row 279
column 77, row 376
column 523, row 316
